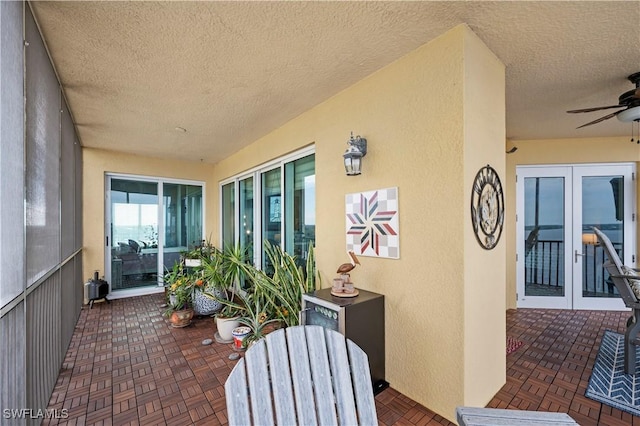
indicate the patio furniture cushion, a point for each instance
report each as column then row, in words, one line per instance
column 301, row 375
column 634, row 280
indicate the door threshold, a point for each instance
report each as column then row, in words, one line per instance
column 133, row 292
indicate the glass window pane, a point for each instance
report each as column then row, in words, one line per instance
column 603, row 207
column 300, row 212
column 134, row 230
column 544, row 233
column 271, row 212
column 182, row 220
column 246, row 216
column 228, row 209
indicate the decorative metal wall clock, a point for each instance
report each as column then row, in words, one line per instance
column 487, row 207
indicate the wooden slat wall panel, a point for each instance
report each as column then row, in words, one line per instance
column 44, row 335
column 12, row 362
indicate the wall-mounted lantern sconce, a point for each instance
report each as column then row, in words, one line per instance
column 353, row 155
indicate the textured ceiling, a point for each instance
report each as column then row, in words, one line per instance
column 230, row 72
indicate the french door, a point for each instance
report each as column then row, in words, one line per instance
column 559, row 263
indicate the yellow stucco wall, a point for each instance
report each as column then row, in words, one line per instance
column 96, row 163
column 432, row 119
column 555, row 151
column 412, row 112
column 484, row 281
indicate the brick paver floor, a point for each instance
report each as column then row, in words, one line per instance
column 126, row 366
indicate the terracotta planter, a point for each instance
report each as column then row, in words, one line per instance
column 182, row 318
column 272, row 327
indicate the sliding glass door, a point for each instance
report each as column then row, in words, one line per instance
column 182, row 214
column 300, row 207
column 134, row 234
column 275, row 203
column 149, row 223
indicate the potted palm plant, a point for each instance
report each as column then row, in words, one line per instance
column 226, row 269
column 282, row 291
column 274, row 300
column 257, row 319
column 208, row 259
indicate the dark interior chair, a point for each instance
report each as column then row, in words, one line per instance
column 625, row 279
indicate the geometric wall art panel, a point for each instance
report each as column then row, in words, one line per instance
column 372, row 223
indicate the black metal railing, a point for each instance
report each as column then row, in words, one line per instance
column 544, row 266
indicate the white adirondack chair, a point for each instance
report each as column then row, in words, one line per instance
column 471, row 416
column 303, row 375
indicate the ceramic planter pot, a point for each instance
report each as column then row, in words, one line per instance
column 225, row 327
column 192, row 263
column 204, row 305
column 239, row 334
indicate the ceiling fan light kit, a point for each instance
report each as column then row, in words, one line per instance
column 629, row 102
column 631, row 114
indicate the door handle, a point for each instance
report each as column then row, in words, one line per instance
column 578, row 254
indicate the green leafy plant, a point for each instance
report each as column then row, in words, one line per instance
column 180, row 288
column 226, row 270
column 265, row 299
column 202, row 250
column 256, row 318
column 280, row 293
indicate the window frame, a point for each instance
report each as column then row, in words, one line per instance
column 256, row 172
column 159, row 181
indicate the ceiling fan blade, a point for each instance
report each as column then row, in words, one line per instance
column 606, row 117
column 573, row 111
